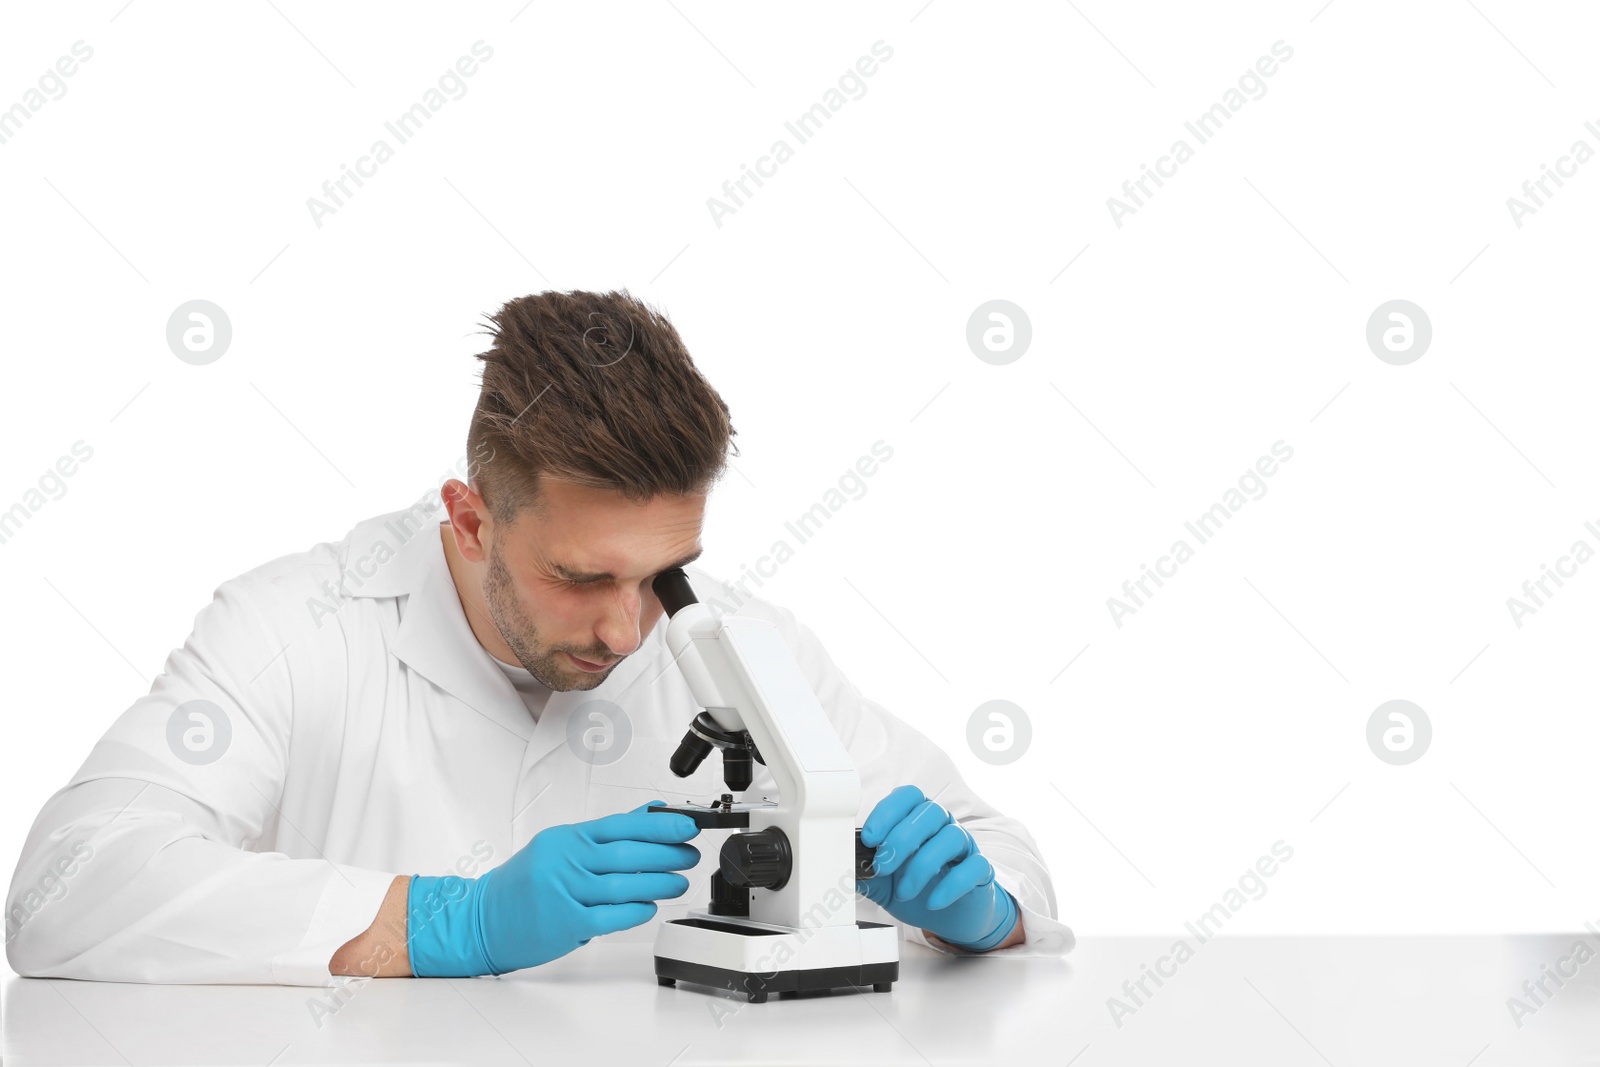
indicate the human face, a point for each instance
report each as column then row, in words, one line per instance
column 570, row 592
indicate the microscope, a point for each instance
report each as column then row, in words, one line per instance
column 782, row 915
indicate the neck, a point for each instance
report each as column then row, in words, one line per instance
column 468, row 579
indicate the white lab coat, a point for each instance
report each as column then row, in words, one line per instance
column 373, row 736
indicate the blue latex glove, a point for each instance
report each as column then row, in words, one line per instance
column 570, row 883
column 929, row 873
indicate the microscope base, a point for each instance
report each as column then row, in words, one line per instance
column 757, row 987
column 748, row 957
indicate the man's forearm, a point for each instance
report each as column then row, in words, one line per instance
column 380, row 951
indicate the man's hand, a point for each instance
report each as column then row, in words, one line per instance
column 929, row 872
column 568, row 885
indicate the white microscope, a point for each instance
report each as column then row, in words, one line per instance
column 782, row 916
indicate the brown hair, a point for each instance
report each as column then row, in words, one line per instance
column 597, row 389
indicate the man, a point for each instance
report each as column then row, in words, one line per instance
column 426, row 748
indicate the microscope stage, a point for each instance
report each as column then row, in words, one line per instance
column 714, row 816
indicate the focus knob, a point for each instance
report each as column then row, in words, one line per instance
column 757, row 860
column 865, row 855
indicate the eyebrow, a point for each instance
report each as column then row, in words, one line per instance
column 579, row 576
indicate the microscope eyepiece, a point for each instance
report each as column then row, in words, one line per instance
column 673, row 590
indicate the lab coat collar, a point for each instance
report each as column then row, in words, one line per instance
column 398, row 555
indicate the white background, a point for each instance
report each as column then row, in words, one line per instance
column 830, row 311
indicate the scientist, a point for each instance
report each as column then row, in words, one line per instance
column 427, row 748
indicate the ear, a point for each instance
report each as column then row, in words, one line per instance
column 470, row 522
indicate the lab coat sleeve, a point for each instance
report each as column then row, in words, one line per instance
column 889, row 752
column 141, row 868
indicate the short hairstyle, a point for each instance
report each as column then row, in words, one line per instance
column 597, row 389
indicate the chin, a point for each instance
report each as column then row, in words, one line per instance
column 584, row 682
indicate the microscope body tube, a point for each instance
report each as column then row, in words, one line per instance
column 741, row 671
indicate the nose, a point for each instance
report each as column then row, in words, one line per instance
column 619, row 629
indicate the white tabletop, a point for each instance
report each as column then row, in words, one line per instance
column 1281, row 1001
